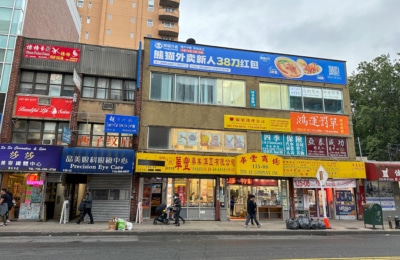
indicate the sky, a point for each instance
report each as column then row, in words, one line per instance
column 350, row 30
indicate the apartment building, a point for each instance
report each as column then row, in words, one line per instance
column 124, row 23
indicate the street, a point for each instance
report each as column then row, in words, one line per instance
column 200, row 247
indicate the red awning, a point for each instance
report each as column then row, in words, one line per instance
column 383, row 171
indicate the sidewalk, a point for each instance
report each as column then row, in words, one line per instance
column 275, row 227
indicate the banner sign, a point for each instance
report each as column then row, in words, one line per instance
column 66, row 135
column 121, row 124
column 246, row 63
column 96, row 160
column 59, row 108
column 259, row 164
column 29, row 157
column 314, row 183
column 257, row 123
column 251, row 181
column 50, row 52
column 319, row 123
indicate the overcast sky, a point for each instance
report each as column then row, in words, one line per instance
column 349, row 30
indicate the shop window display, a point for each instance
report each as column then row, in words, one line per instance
column 195, row 192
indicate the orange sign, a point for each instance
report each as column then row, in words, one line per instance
column 319, row 123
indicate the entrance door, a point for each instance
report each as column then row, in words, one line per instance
column 240, row 194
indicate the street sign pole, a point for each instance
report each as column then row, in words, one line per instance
column 322, row 177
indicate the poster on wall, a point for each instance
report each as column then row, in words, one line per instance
column 29, row 211
column 36, row 195
column 345, row 206
column 380, row 193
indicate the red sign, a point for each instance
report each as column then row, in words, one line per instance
column 383, row 171
column 49, row 52
column 316, row 146
column 319, row 123
column 59, row 108
column 337, row 147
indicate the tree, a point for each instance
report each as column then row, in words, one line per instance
column 375, row 99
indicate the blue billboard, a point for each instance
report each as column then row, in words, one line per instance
column 95, row 160
column 29, row 157
column 247, row 63
column 121, row 124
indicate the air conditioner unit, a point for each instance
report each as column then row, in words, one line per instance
column 44, row 101
column 108, row 106
column 48, row 141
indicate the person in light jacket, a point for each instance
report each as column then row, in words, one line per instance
column 88, row 208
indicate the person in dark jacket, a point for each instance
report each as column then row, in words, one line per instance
column 251, row 211
column 88, row 208
column 248, row 199
column 177, row 208
column 4, row 202
column 232, row 204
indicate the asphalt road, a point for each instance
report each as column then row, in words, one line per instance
column 200, row 247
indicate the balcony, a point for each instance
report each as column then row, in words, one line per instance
column 168, row 31
column 170, row 3
column 168, row 16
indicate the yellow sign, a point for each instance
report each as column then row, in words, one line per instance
column 257, row 123
column 185, row 164
column 259, row 165
column 335, row 169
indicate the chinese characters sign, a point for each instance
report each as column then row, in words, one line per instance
column 184, row 163
column 257, row 123
column 28, row 157
column 49, row 52
column 247, row 63
column 121, row 124
column 59, row 108
column 314, row 183
column 259, row 164
column 95, row 160
column 383, row 171
column 335, row 169
column 319, row 123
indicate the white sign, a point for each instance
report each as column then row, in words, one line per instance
column 330, row 183
column 77, row 80
column 65, row 212
column 322, row 175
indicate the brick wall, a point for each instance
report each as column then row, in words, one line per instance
column 49, row 19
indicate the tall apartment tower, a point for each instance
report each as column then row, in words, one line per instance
column 124, row 23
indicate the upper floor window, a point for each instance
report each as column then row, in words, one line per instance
column 167, row 38
column 131, row 35
column 199, row 90
column 108, row 31
column 169, row 10
column 111, row 2
column 149, row 23
column 44, row 83
column 109, row 16
column 93, row 135
column 301, row 98
column 133, row 4
column 88, row 19
column 132, row 19
column 150, row 6
column 106, row 88
column 80, row 3
column 86, row 35
column 168, row 24
column 90, row 5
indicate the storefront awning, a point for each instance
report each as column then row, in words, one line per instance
column 383, row 171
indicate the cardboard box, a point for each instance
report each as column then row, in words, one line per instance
column 112, row 225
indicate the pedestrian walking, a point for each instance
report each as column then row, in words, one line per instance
column 248, row 199
column 5, row 200
column 177, row 209
column 88, row 208
column 251, row 211
column 232, row 204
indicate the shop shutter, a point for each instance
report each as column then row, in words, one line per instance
column 103, row 210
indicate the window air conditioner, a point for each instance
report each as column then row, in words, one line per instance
column 108, row 106
column 48, row 141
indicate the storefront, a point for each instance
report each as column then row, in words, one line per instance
column 24, row 168
column 107, row 172
column 382, row 186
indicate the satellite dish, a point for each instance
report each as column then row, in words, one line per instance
column 191, row 41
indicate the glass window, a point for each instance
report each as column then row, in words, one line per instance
column 16, row 26
column 108, row 31
column 102, row 88
column 312, row 99
column 42, row 77
column 80, row 3
column 40, row 89
column 333, row 101
column 86, row 35
column 55, row 90
column 116, row 89
column 133, row 5
column 132, row 19
column 84, row 134
column 129, row 90
column 162, row 87
column 98, row 135
column 233, row 93
column 9, row 57
column 90, row 5
column 187, row 89
column 149, row 23
column 11, row 42
column 270, row 96
column 5, row 78
column 295, row 97
column 131, row 35
column 5, row 20
column 109, row 16
column 88, row 19
column 158, row 137
column 3, row 41
column 2, row 54
column 208, row 91
column 88, row 87
column 27, row 76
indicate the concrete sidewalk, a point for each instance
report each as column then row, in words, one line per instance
column 275, row 227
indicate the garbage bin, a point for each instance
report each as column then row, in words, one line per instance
column 373, row 215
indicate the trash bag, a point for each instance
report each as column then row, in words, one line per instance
column 304, row 222
column 313, row 224
column 121, row 224
column 129, row 225
column 292, row 224
column 321, row 224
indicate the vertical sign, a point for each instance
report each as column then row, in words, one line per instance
column 253, row 98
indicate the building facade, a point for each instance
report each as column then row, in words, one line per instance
column 37, row 19
column 217, row 124
column 124, row 23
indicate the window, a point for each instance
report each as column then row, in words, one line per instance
column 111, row 2
column 199, row 192
column 86, row 35
column 108, row 31
column 132, row 19
column 131, row 35
column 333, row 101
column 80, row 3
column 273, row 96
column 133, row 5
column 149, row 23
column 168, row 24
column 92, row 135
column 47, row 84
column 38, row 132
column 149, row 35
column 167, row 38
column 106, row 88
column 150, row 6
column 109, row 16
column 158, row 137
column 178, row 88
column 312, row 99
column 169, row 10
column 88, row 19
column 5, row 21
column 90, row 5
